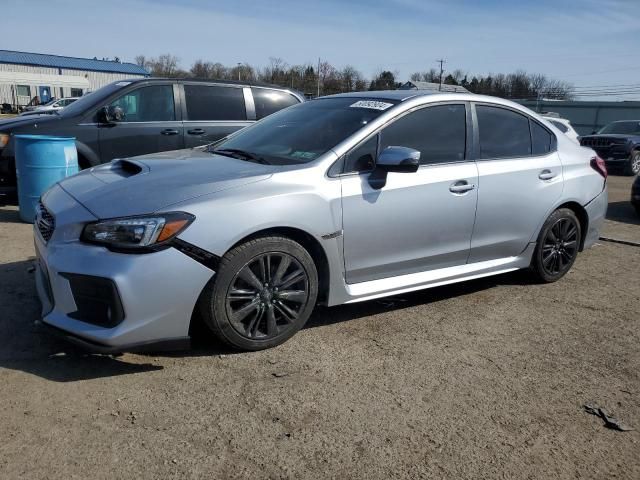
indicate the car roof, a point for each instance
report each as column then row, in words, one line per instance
column 208, row 80
column 398, row 95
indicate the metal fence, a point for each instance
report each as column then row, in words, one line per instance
column 587, row 117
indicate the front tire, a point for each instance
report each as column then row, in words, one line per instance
column 263, row 292
column 558, row 246
column 633, row 165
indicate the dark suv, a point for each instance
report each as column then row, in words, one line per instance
column 134, row 117
column 618, row 144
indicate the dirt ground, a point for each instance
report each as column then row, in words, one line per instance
column 480, row 380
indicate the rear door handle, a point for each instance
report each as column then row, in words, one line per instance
column 196, row 131
column 461, row 186
column 169, row 131
column 546, row 175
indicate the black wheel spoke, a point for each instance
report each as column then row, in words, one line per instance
column 272, row 327
column 249, row 277
column 242, row 313
column 288, row 314
column 252, row 328
column 241, row 294
column 560, row 246
column 283, row 266
column 298, row 296
column 292, row 278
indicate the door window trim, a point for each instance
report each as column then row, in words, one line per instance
column 469, row 155
column 476, row 137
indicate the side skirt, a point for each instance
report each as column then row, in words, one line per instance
column 360, row 292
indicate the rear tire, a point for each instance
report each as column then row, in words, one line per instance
column 633, row 165
column 263, row 292
column 558, row 245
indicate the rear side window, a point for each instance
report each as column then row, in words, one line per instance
column 205, row 102
column 148, row 104
column 541, row 139
column 438, row 132
column 269, row 101
column 503, row 133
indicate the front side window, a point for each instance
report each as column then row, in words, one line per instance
column 503, row 133
column 304, row 132
column 363, row 157
column 148, row 104
column 206, row 102
column 438, row 132
column 269, row 101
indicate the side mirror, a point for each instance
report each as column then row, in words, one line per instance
column 393, row 159
column 110, row 114
column 398, row 159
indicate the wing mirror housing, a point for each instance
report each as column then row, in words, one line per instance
column 394, row 159
column 111, row 114
column 398, row 159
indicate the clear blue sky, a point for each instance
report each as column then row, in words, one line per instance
column 585, row 42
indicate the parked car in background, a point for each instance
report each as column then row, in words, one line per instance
column 618, row 143
column 342, row 199
column 635, row 194
column 52, row 106
column 136, row 117
column 564, row 126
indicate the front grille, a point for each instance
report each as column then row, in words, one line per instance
column 45, row 222
column 601, row 142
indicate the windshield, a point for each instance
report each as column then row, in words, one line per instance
column 625, row 128
column 303, row 132
column 90, row 100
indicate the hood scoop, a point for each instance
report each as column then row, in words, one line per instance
column 126, row 168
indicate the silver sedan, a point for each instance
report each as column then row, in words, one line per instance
column 342, row 199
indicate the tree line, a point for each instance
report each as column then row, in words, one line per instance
column 326, row 79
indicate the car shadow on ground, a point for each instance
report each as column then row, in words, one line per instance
column 623, row 212
column 29, row 347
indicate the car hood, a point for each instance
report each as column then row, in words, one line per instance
column 149, row 183
column 33, row 119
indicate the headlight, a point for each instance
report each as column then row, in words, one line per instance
column 4, row 139
column 137, row 232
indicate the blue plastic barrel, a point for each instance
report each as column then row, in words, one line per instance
column 41, row 161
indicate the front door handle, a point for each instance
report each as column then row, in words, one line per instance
column 461, row 186
column 169, row 131
column 546, row 175
column 196, row 131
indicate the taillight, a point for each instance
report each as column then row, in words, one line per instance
column 599, row 166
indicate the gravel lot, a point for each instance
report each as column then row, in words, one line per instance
column 479, row 380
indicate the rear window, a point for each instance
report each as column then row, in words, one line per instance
column 206, row 102
column 269, row 101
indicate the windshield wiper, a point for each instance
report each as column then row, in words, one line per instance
column 241, row 154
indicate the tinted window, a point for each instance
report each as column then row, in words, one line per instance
column 270, row 101
column 540, row 139
column 631, row 128
column 305, row 131
column 148, row 104
column 363, row 157
column 560, row 126
column 437, row 132
column 214, row 103
column 503, row 133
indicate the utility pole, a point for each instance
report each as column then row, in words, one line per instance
column 318, row 74
column 441, row 62
column 239, row 65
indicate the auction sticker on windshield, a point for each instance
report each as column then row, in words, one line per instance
column 375, row 105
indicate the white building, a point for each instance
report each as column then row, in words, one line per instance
column 25, row 76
